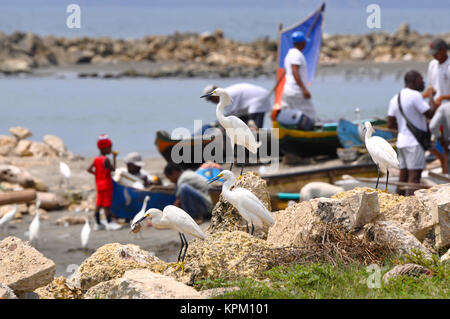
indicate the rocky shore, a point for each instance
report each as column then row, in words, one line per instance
column 209, row 54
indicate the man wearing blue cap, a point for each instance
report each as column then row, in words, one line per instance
column 296, row 96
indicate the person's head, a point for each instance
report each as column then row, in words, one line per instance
column 299, row 40
column 209, row 88
column 172, row 171
column 134, row 162
column 414, row 81
column 438, row 49
column 104, row 144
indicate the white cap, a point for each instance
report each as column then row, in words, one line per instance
column 134, row 158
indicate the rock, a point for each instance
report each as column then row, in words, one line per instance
column 16, row 175
column 442, row 229
column 112, row 261
column 445, row 257
column 50, row 201
column 412, row 270
column 58, row 289
column 15, row 65
column 55, row 143
column 7, row 144
column 6, row 292
column 215, row 292
column 393, row 235
column 142, row 284
column 300, row 223
column 20, row 132
column 357, row 54
column 226, row 217
column 41, row 150
column 70, row 220
column 22, row 148
column 226, row 254
column 22, row 267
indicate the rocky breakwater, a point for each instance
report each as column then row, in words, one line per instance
column 200, row 55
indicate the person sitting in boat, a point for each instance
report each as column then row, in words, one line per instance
column 191, row 192
column 296, row 105
column 134, row 164
column 248, row 102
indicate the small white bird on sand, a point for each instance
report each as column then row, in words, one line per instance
column 64, row 169
column 248, row 205
column 85, row 231
column 33, row 230
column 177, row 219
column 9, row 216
column 318, row 189
column 238, row 132
column 141, row 213
column 381, row 152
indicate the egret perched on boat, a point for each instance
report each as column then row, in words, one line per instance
column 85, row 231
column 177, row 219
column 381, row 152
column 360, row 125
column 238, row 132
column 33, row 230
column 64, row 169
column 141, row 213
column 248, row 205
column 4, row 221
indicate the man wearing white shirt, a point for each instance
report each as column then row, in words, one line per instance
column 439, row 71
column 248, row 102
column 411, row 155
column 295, row 93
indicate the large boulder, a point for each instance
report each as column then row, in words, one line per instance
column 393, row 235
column 7, row 144
column 55, row 143
column 445, row 257
column 20, row 132
column 411, row 270
column 142, row 284
column 23, row 268
column 112, row 261
column 39, row 149
column 442, row 230
column 22, row 148
column 16, row 65
column 226, row 217
column 16, row 175
column 6, row 292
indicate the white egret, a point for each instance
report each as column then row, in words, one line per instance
column 33, row 230
column 64, row 169
column 319, row 189
column 381, row 152
column 248, row 205
column 85, row 231
column 177, row 219
column 9, row 216
column 141, row 213
column 360, row 125
column 238, row 132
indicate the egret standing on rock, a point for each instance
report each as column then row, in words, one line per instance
column 33, row 230
column 248, row 205
column 381, row 152
column 85, row 231
column 141, row 213
column 177, row 219
column 9, row 216
column 238, row 132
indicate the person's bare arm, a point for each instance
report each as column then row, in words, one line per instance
column 91, row 169
column 438, row 101
column 108, row 165
column 296, row 73
column 392, row 123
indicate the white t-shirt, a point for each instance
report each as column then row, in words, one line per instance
column 413, row 106
column 247, row 99
column 295, row 56
column 439, row 76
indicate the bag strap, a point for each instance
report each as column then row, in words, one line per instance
column 401, row 111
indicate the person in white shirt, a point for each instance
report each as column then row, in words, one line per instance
column 438, row 75
column 411, row 155
column 295, row 93
column 248, row 102
column 442, row 118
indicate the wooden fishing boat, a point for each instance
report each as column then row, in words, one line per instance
column 348, row 133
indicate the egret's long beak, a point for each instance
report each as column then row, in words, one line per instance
column 206, row 95
column 215, row 178
column 143, row 217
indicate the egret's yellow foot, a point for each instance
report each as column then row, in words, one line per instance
column 239, row 177
column 178, row 265
column 385, row 190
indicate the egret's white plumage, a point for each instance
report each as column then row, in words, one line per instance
column 33, row 230
column 360, row 125
column 319, row 189
column 238, row 132
column 85, row 231
column 141, row 213
column 248, row 205
column 9, row 216
column 380, row 150
column 64, row 169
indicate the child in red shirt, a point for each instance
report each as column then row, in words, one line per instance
column 102, row 168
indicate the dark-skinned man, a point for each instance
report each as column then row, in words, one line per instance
column 411, row 154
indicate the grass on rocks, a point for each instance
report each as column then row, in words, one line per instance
column 324, row 280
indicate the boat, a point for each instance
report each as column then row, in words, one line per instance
column 348, row 133
column 127, row 201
